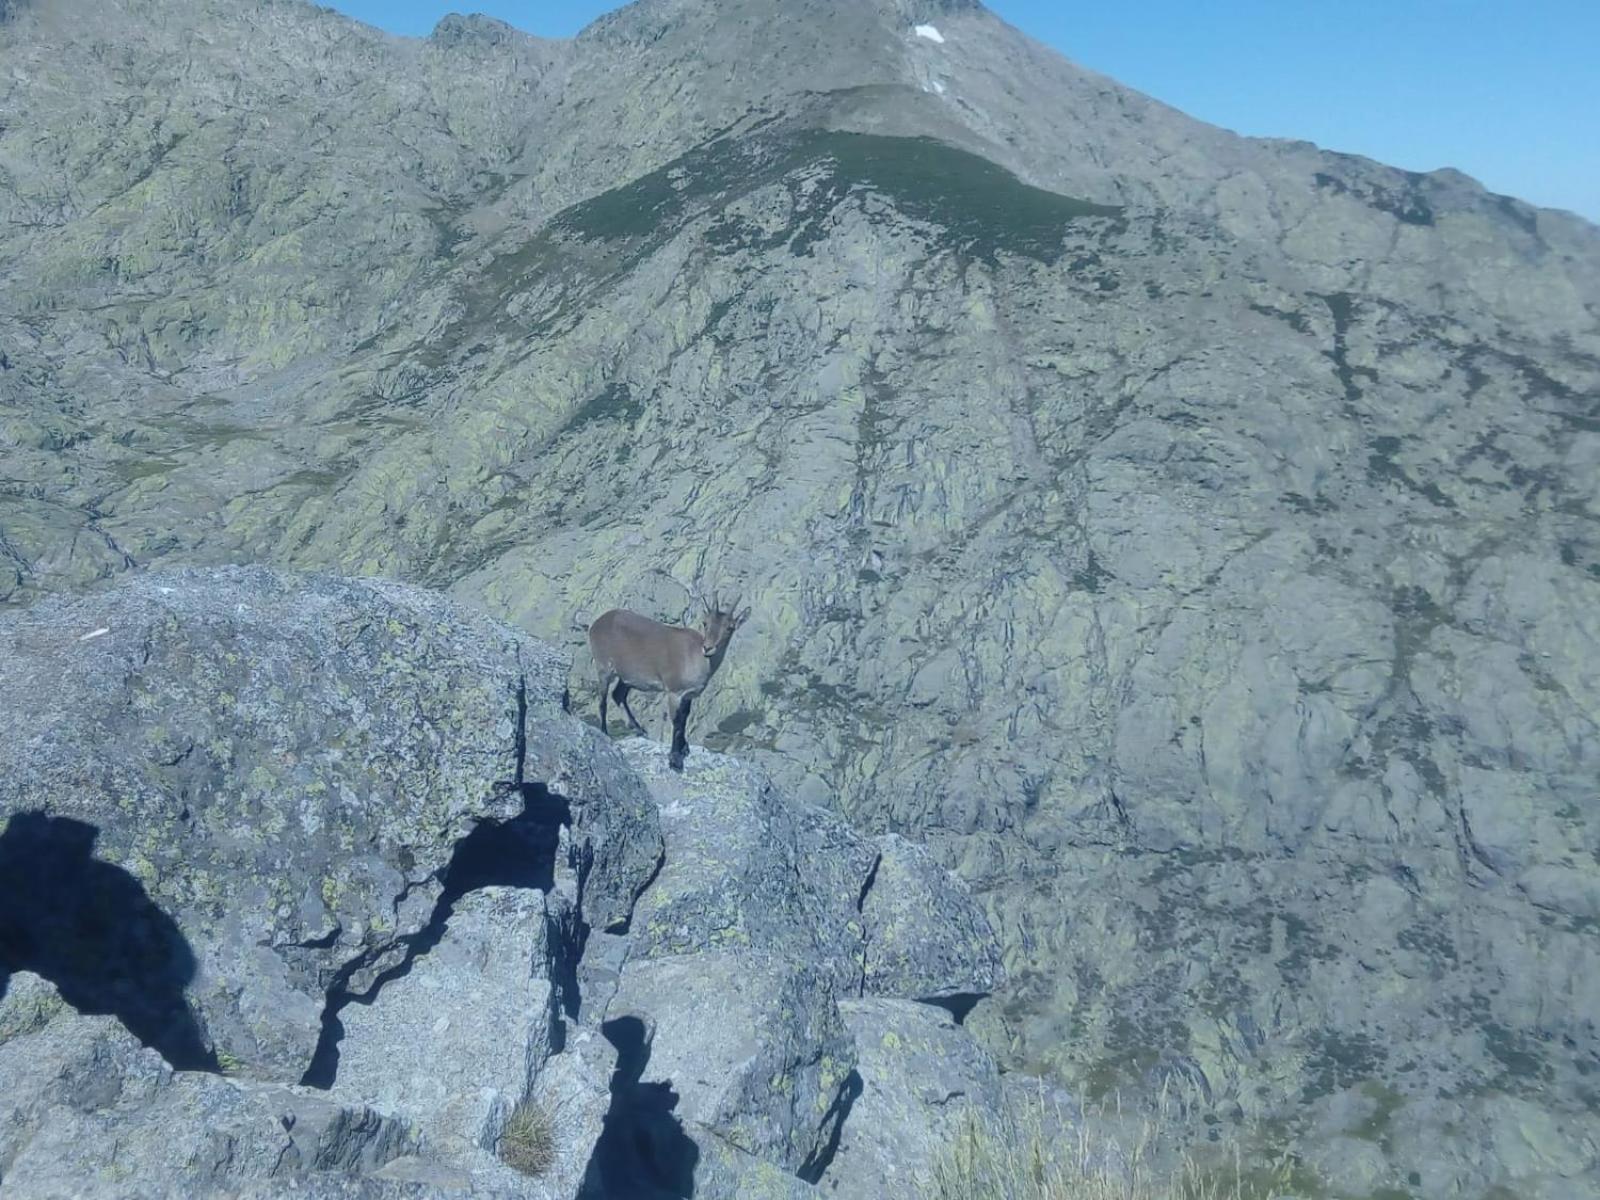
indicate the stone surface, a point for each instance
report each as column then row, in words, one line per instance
column 87, row 1111
column 203, row 831
column 615, row 845
column 746, row 868
column 454, row 1044
column 1212, row 582
column 724, row 1172
column 574, row 1088
column 925, row 936
column 671, row 1004
column 922, row 1079
column 752, row 1045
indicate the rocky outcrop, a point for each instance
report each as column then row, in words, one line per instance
column 768, row 1072
column 925, row 937
column 922, row 1078
column 85, row 1110
column 549, row 967
column 455, row 1043
column 1189, row 538
column 754, row 870
column 769, row 913
column 221, row 777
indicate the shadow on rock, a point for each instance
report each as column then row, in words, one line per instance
column 812, row 1170
column 519, row 853
column 642, row 1150
column 90, row 929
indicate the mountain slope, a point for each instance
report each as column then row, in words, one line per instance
column 1193, row 536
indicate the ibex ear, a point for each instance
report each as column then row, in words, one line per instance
column 742, row 617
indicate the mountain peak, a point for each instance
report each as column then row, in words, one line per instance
column 455, row 28
column 655, row 16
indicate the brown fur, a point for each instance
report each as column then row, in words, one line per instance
column 633, row 653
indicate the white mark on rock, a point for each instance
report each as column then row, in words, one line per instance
column 89, row 637
column 929, row 32
column 165, row 591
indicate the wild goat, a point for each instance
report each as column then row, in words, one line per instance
column 636, row 653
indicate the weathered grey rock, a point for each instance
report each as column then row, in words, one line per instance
column 927, row 939
column 229, row 783
column 51, row 1058
column 1488, row 1139
column 600, row 973
column 574, row 1087
column 757, row 896
column 27, row 1004
column 747, row 868
column 477, row 1016
column 473, row 1175
column 751, row 1043
column 455, row 1043
column 922, row 1078
column 615, row 842
column 402, row 1179
column 725, row 1172
column 88, row 1112
column 837, row 865
column 1219, row 573
column 207, row 829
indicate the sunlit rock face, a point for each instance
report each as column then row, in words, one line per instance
column 313, row 884
column 1189, row 537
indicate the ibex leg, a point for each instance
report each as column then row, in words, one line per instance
column 605, row 686
column 680, row 736
column 620, row 695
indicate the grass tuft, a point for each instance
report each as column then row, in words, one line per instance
column 1043, row 1155
column 528, row 1142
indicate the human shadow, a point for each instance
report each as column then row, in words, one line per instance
column 90, row 929
column 642, row 1150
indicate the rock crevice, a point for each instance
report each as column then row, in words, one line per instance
column 518, row 917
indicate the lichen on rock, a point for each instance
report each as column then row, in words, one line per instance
column 367, row 802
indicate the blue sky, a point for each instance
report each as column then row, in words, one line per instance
column 1507, row 92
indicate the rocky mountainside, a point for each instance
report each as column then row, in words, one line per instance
column 1191, row 538
column 265, row 939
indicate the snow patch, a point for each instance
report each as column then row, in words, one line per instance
column 89, row 637
column 929, row 32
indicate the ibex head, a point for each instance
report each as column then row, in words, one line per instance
column 718, row 625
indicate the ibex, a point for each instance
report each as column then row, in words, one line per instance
column 636, row 653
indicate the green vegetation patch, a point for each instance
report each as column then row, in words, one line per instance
column 656, row 203
column 984, row 208
column 1407, row 206
column 615, row 403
